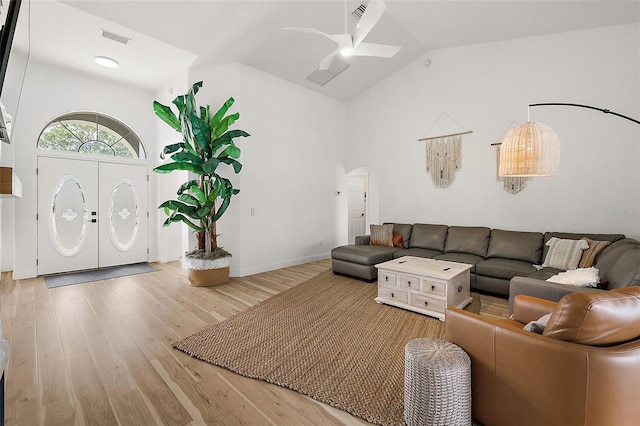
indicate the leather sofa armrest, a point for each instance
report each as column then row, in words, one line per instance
column 541, row 289
column 363, row 240
column 476, row 335
column 527, row 308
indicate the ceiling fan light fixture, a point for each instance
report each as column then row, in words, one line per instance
column 346, row 51
column 106, row 62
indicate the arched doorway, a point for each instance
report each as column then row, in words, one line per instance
column 92, row 194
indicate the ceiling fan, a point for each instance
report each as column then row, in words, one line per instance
column 352, row 44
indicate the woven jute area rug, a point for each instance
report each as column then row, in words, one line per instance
column 326, row 338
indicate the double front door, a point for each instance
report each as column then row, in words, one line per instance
column 90, row 214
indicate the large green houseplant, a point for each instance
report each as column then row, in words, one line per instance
column 207, row 143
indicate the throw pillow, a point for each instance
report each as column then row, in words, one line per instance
column 397, row 240
column 584, row 277
column 590, row 254
column 382, row 235
column 538, row 325
column 564, row 254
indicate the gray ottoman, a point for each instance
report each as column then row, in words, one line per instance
column 437, row 384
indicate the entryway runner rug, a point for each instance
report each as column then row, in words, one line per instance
column 326, row 338
column 60, row 280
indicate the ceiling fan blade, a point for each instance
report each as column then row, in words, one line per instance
column 341, row 39
column 372, row 49
column 369, row 19
column 326, row 62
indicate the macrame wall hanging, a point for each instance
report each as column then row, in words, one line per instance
column 511, row 184
column 444, row 155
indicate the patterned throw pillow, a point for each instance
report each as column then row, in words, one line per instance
column 590, row 254
column 382, row 235
column 564, row 254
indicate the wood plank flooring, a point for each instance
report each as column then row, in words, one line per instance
column 100, row 353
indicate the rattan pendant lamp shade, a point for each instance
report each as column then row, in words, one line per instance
column 530, row 149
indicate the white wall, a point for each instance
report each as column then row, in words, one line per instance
column 292, row 169
column 486, row 87
column 169, row 239
column 50, row 92
column 10, row 99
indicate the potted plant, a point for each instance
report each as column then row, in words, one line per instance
column 207, row 143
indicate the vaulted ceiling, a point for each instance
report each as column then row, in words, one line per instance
column 167, row 37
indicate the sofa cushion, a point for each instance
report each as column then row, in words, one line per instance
column 363, row 255
column 544, row 273
column 626, row 271
column 468, row 239
column 403, row 229
column 564, row 254
column 525, row 246
column 611, row 254
column 590, row 255
column 428, row 236
column 504, row 268
column 469, row 259
column 573, row 236
column 417, row 252
column 596, row 318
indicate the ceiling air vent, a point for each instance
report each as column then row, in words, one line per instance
column 322, row 77
column 115, row 37
column 359, row 11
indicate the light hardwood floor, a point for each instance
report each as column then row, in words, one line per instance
column 100, row 353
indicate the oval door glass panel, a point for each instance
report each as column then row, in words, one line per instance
column 124, row 215
column 68, row 217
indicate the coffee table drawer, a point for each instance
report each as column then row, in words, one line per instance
column 393, row 294
column 434, row 287
column 410, row 282
column 426, row 302
column 387, row 278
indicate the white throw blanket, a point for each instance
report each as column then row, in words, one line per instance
column 585, row 277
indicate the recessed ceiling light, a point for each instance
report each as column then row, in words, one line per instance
column 106, row 62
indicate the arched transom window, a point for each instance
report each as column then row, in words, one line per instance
column 91, row 133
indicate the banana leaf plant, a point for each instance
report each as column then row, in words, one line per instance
column 207, row 144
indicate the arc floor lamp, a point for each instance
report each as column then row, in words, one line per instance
column 533, row 149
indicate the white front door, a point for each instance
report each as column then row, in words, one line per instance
column 90, row 214
column 357, row 206
column 123, row 214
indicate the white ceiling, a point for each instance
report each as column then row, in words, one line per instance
column 170, row 36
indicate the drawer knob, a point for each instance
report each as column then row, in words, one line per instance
column 426, row 303
column 409, row 283
column 459, row 289
column 386, row 278
column 433, row 287
column 391, row 294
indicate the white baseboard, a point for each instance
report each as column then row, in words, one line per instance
column 256, row 269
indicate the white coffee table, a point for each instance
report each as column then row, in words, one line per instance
column 423, row 285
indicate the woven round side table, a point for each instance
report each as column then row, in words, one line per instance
column 437, row 384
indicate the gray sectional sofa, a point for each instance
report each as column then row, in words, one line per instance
column 499, row 257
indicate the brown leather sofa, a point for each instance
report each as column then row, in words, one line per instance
column 583, row 370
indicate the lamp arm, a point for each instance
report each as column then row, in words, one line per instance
column 606, row 111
